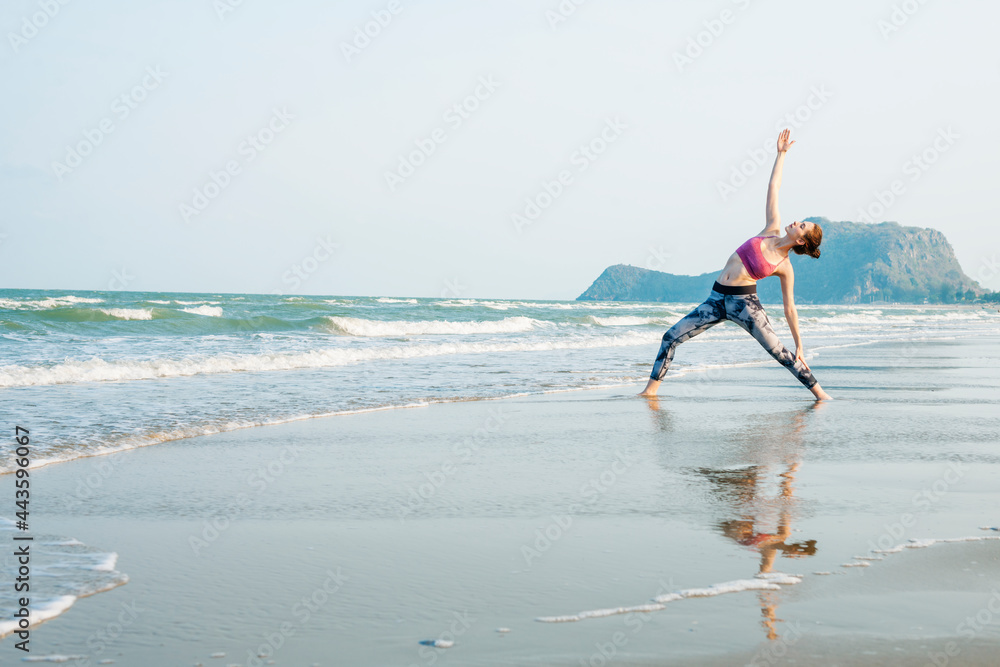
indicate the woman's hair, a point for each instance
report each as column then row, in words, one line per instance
column 812, row 240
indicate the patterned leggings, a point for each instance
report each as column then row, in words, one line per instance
column 746, row 311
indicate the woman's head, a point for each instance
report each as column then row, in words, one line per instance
column 807, row 237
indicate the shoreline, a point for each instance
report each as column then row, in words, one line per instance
column 676, row 373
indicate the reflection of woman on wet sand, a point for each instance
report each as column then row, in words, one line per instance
column 767, row 440
column 745, row 531
column 743, row 490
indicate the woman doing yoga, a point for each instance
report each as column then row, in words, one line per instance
column 734, row 295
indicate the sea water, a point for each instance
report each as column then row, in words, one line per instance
column 98, row 372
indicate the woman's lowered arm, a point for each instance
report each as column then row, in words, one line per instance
column 791, row 314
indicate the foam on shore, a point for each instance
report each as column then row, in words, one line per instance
column 768, row 581
column 62, row 571
column 771, row 581
column 55, row 657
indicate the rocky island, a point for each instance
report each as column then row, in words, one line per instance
column 860, row 263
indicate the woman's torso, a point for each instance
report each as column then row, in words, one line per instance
column 735, row 272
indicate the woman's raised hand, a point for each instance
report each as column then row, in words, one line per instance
column 783, row 143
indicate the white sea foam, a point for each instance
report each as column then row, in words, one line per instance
column 456, row 303
column 892, row 550
column 385, row 299
column 767, row 582
column 46, row 303
column 929, row 542
column 55, row 657
column 737, row 586
column 923, row 544
column 355, row 326
column 581, row 305
column 63, row 571
column 105, row 562
column 600, row 613
column 763, row 581
column 40, row 611
column 604, row 305
column 920, row 544
column 59, row 301
column 129, row 313
column 99, row 370
column 208, row 311
column 889, row 320
column 780, row 578
column 194, row 303
column 626, row 320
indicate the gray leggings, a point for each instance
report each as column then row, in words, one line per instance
column 746, row 311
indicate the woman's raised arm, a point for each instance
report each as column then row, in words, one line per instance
column 773, row 218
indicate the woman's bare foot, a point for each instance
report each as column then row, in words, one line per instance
column 650, row 390
column 819, row 393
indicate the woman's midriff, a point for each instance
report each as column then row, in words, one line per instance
column 734, row 273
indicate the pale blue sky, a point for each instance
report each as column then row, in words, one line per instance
column 651, row 198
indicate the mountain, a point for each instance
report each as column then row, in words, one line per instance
column 860, row 263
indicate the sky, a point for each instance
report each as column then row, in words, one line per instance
column 491, row 149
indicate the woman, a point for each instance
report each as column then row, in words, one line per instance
column 734, row 295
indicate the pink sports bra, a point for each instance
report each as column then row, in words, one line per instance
column 753, row 259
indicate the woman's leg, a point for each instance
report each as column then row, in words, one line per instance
column 705, row 316
column 748, row 312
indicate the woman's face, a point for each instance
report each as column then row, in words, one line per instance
column 797, row 230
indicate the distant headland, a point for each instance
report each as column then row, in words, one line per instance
column 860, row 263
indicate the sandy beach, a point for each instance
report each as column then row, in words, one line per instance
column 348, row 540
